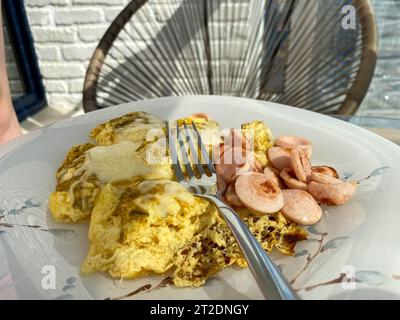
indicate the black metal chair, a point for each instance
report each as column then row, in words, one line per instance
column 294, row 52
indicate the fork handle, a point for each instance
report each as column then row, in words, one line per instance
column 269, row 278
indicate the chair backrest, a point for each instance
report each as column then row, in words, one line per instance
column 305, row 53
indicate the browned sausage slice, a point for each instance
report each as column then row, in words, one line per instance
column 221, row 184
column 291, row 181
column 307, row 150
column 257, row 167
column 274, row 176
column 232, row 197
column 259, row 193
column 332, row 194
column 201, row 116
column 326, row 170
column 301, row 165
column 234, row 162
column 324, row 178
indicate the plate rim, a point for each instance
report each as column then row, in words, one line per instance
column 347, row 127
column 20, row 142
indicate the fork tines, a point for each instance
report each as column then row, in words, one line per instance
column 181, row 142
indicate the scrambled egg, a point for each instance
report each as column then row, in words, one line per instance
column 141, row 221
column 158, row 226
column 261, row 136
column 215, row 248
column 139, row 230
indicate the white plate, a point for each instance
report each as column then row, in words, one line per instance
column 354, row 252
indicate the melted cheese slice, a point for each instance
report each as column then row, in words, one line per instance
column 166, row 201
column 122, row 162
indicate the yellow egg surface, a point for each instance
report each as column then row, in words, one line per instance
column 260, row 135
column 136, row 231
column 215, row 247
column 73, row 199
column 88, row 167
column 135, row 127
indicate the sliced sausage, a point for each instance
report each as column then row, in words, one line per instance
column 280, row 157
column 234, row 162
column 259, row 193
column 217, row 151
column 257, row 167
column 324, row 178
column 307, row 151
column 332, row 194
column 201, row 116
column 301, row 165
column 291, row 142
column 274, row 170
column 221, row 184
column 291, row 181
column 300, row 207
column 274, row 176
column 325, row 170
column 232, row 197
column 226, row 171
column 237, row 139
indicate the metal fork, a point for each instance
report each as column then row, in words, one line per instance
column 270, row 280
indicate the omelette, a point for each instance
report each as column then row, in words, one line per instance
column 126, row 150
column 133, row 127
column 138, row 230
column 141, row 221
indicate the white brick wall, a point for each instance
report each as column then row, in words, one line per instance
column 65, row 33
